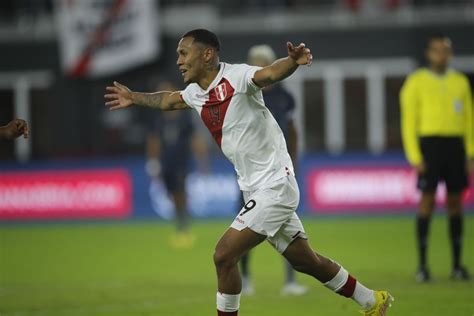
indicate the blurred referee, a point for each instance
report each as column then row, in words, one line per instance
column 437, row 132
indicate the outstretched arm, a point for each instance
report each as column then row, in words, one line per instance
column 284, row 67
column 119, row 97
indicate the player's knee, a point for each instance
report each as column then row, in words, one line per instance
column 427, row 204
column 454, row 204
column 455, row 209
column 224, row 259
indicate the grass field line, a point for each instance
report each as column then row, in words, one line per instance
column 118, row 307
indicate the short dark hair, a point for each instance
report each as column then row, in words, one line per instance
column 205, row 37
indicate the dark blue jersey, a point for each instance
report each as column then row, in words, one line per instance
column 281, row 104
column 175, row 132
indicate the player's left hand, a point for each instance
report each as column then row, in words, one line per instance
column 300, row 54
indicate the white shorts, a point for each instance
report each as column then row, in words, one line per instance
column 271, row 212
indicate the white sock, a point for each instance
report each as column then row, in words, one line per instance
column 228, row 302
column 338, row 281
column 363, row 296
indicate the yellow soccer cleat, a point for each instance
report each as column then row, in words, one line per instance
column 383, row 300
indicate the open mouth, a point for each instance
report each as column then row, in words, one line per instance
column 183, row 71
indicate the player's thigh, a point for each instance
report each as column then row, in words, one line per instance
column 430, row 149
column 303, row 258
column 175, row 180
column 427, row 203
column 234, row 244
column 454, row 203
column 454, row 171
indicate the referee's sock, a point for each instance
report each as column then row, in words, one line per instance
column 422, row 228
column 455, row 232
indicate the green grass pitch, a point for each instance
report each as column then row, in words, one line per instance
column 99, row 269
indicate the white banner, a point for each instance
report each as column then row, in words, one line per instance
column 104, row 37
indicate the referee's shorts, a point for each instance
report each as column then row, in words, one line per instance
column 445, row 159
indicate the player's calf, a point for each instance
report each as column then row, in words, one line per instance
column 229, row 281
column 303, row 259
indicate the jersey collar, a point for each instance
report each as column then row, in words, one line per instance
column 438, row 76
column 217, row 79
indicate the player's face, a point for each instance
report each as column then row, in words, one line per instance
column 439, row 53
column 190, row 60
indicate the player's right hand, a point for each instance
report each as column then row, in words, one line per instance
column 300, row 54
column 118, row 96
column 16, row 128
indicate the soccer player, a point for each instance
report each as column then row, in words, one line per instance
column 229, row 100
column 436, row 108
column 282, row 105
column 14, row 129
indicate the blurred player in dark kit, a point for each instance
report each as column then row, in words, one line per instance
column 170, row 148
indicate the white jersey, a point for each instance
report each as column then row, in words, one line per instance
column 233, row 110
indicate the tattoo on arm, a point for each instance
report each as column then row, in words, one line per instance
column 171, row 107
column 153, row 100
column 163, row 100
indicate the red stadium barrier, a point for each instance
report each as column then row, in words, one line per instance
column 103, row 193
